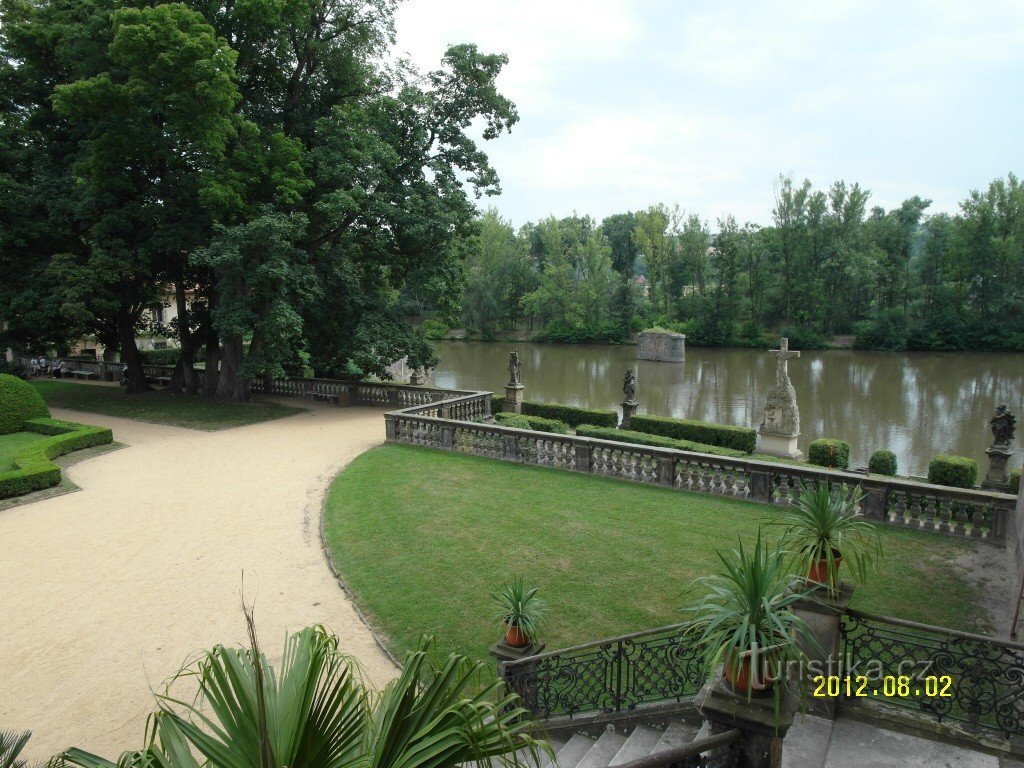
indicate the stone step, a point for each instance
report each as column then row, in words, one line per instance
column 556, row 744
column 575, row 748
column 677, row 734
column 604, row 749
column 639, row 744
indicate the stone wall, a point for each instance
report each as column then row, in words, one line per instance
column 661, row 346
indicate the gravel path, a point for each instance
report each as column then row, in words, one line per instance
column 105, row 592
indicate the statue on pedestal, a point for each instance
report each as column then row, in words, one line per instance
column 629, row 384
column 514, row 368
column 1003, row 425
column 780, row 426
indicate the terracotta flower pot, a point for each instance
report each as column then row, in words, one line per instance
column 818, row 572
column 738, row 673
column 515, row 637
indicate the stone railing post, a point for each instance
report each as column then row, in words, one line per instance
column 514, row 398
column 446, row 411
column 823, row 614
column 583, row 458
column 487, row 406
column 764, row 726
column 390, row 428
column 509, row 450
column 874, row 501
column 448, row 437
column 761, row 486
column 666, row 471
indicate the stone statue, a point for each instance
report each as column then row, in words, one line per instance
column 1003, row 424
column 629, row 384
column 780, row 426
column 514, row 369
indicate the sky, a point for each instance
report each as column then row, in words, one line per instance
column 703, row 104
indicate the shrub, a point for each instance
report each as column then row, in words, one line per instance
column 827, row 452
column 434, row 329
column 882, row 462
column 657, row 441
column 19, row 402
column 33, row 465
column 954, row 471
column 571, row 415
column 1013, row 486
column 723, row 435
column 513, row 420
column 535, row 422
column 168, row 357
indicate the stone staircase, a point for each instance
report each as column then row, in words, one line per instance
column 612, row 748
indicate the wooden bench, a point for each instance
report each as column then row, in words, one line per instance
column 325, row 397
column 83, row 374
column 164, row 381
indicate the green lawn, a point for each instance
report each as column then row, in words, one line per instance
column 159, row 406
column 423, row 538
column 11, row 444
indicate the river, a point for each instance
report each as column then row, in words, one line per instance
column 916, row 404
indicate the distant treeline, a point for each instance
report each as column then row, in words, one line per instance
column 828, row 265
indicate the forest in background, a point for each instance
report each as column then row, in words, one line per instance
column 828, row 265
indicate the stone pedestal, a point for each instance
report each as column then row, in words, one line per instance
column 763, row 720
column 997, row 479
column 823, row 613
column 661, row 346
column 783, row 446
column 628, row 409
column 513, row 398
column 417, row 376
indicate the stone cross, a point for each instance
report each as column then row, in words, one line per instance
column 782, row 356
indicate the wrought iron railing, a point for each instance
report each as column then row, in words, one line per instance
column 611, row 675
column 986, row 686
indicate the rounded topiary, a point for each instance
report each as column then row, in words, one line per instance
column 882, row 463
column 955, row 471
column 826, row 452
column 19, row 402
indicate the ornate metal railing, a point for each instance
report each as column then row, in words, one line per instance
column 986, row 687
column 609, row 675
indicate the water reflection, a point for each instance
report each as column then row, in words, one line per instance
column 917, row 404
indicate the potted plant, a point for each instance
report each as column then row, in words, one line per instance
column 746, row 621
column 520, row 611
column 824, row 528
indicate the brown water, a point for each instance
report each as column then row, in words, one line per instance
column 917, row 404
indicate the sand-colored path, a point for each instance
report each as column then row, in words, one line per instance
column 106, row 591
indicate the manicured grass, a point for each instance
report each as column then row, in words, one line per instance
column 159, row 406
column 11, row 444
column 423, row 538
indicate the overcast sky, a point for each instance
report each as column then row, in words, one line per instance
column 624, row 104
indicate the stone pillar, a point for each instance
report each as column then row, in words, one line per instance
column 390, row 431
column 583, row 458
column 628, row 409
column 823, row 613
column 763, row 725
column 513, row 398
column 761, row 486
column 997, row 479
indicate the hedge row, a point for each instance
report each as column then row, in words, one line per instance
column 19, row 402
column 564, row 413
column 826, row 452
column 34, row 468
column 723, row 435
column 536, row 423
column 657, row 441
column 955, row 471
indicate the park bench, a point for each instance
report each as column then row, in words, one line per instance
column 83, row 374
column 326, row 397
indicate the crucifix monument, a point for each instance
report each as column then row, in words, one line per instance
column 781, row 424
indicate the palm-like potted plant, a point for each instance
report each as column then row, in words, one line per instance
column 824, row 529
column 746, row 621
column 520, row 611
column 313, row 711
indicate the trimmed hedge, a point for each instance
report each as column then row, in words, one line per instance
column 882, row 463
column 566, row 414
column 513, row 420
column 826, row 452
column 19, row 402
column 34, row 469
column 168, row 357
column 657, row 441
column 534, row 422
column 705, row 432
column 1014, row 484
column 954, row 471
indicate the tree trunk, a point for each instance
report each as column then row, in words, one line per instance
column 188, row 344
column 129, row 351
column 231, row 384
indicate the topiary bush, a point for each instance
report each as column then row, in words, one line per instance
column 954, row 471
column 705, row 432
column 882, row 462
column 535, row 423
column 657, row 441
column 34, row 469
column 19, row 402
column 168, row 357
column 827, row 452
column 1013, row 486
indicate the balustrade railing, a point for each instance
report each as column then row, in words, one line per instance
column 611, row 675
column 985, row 687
